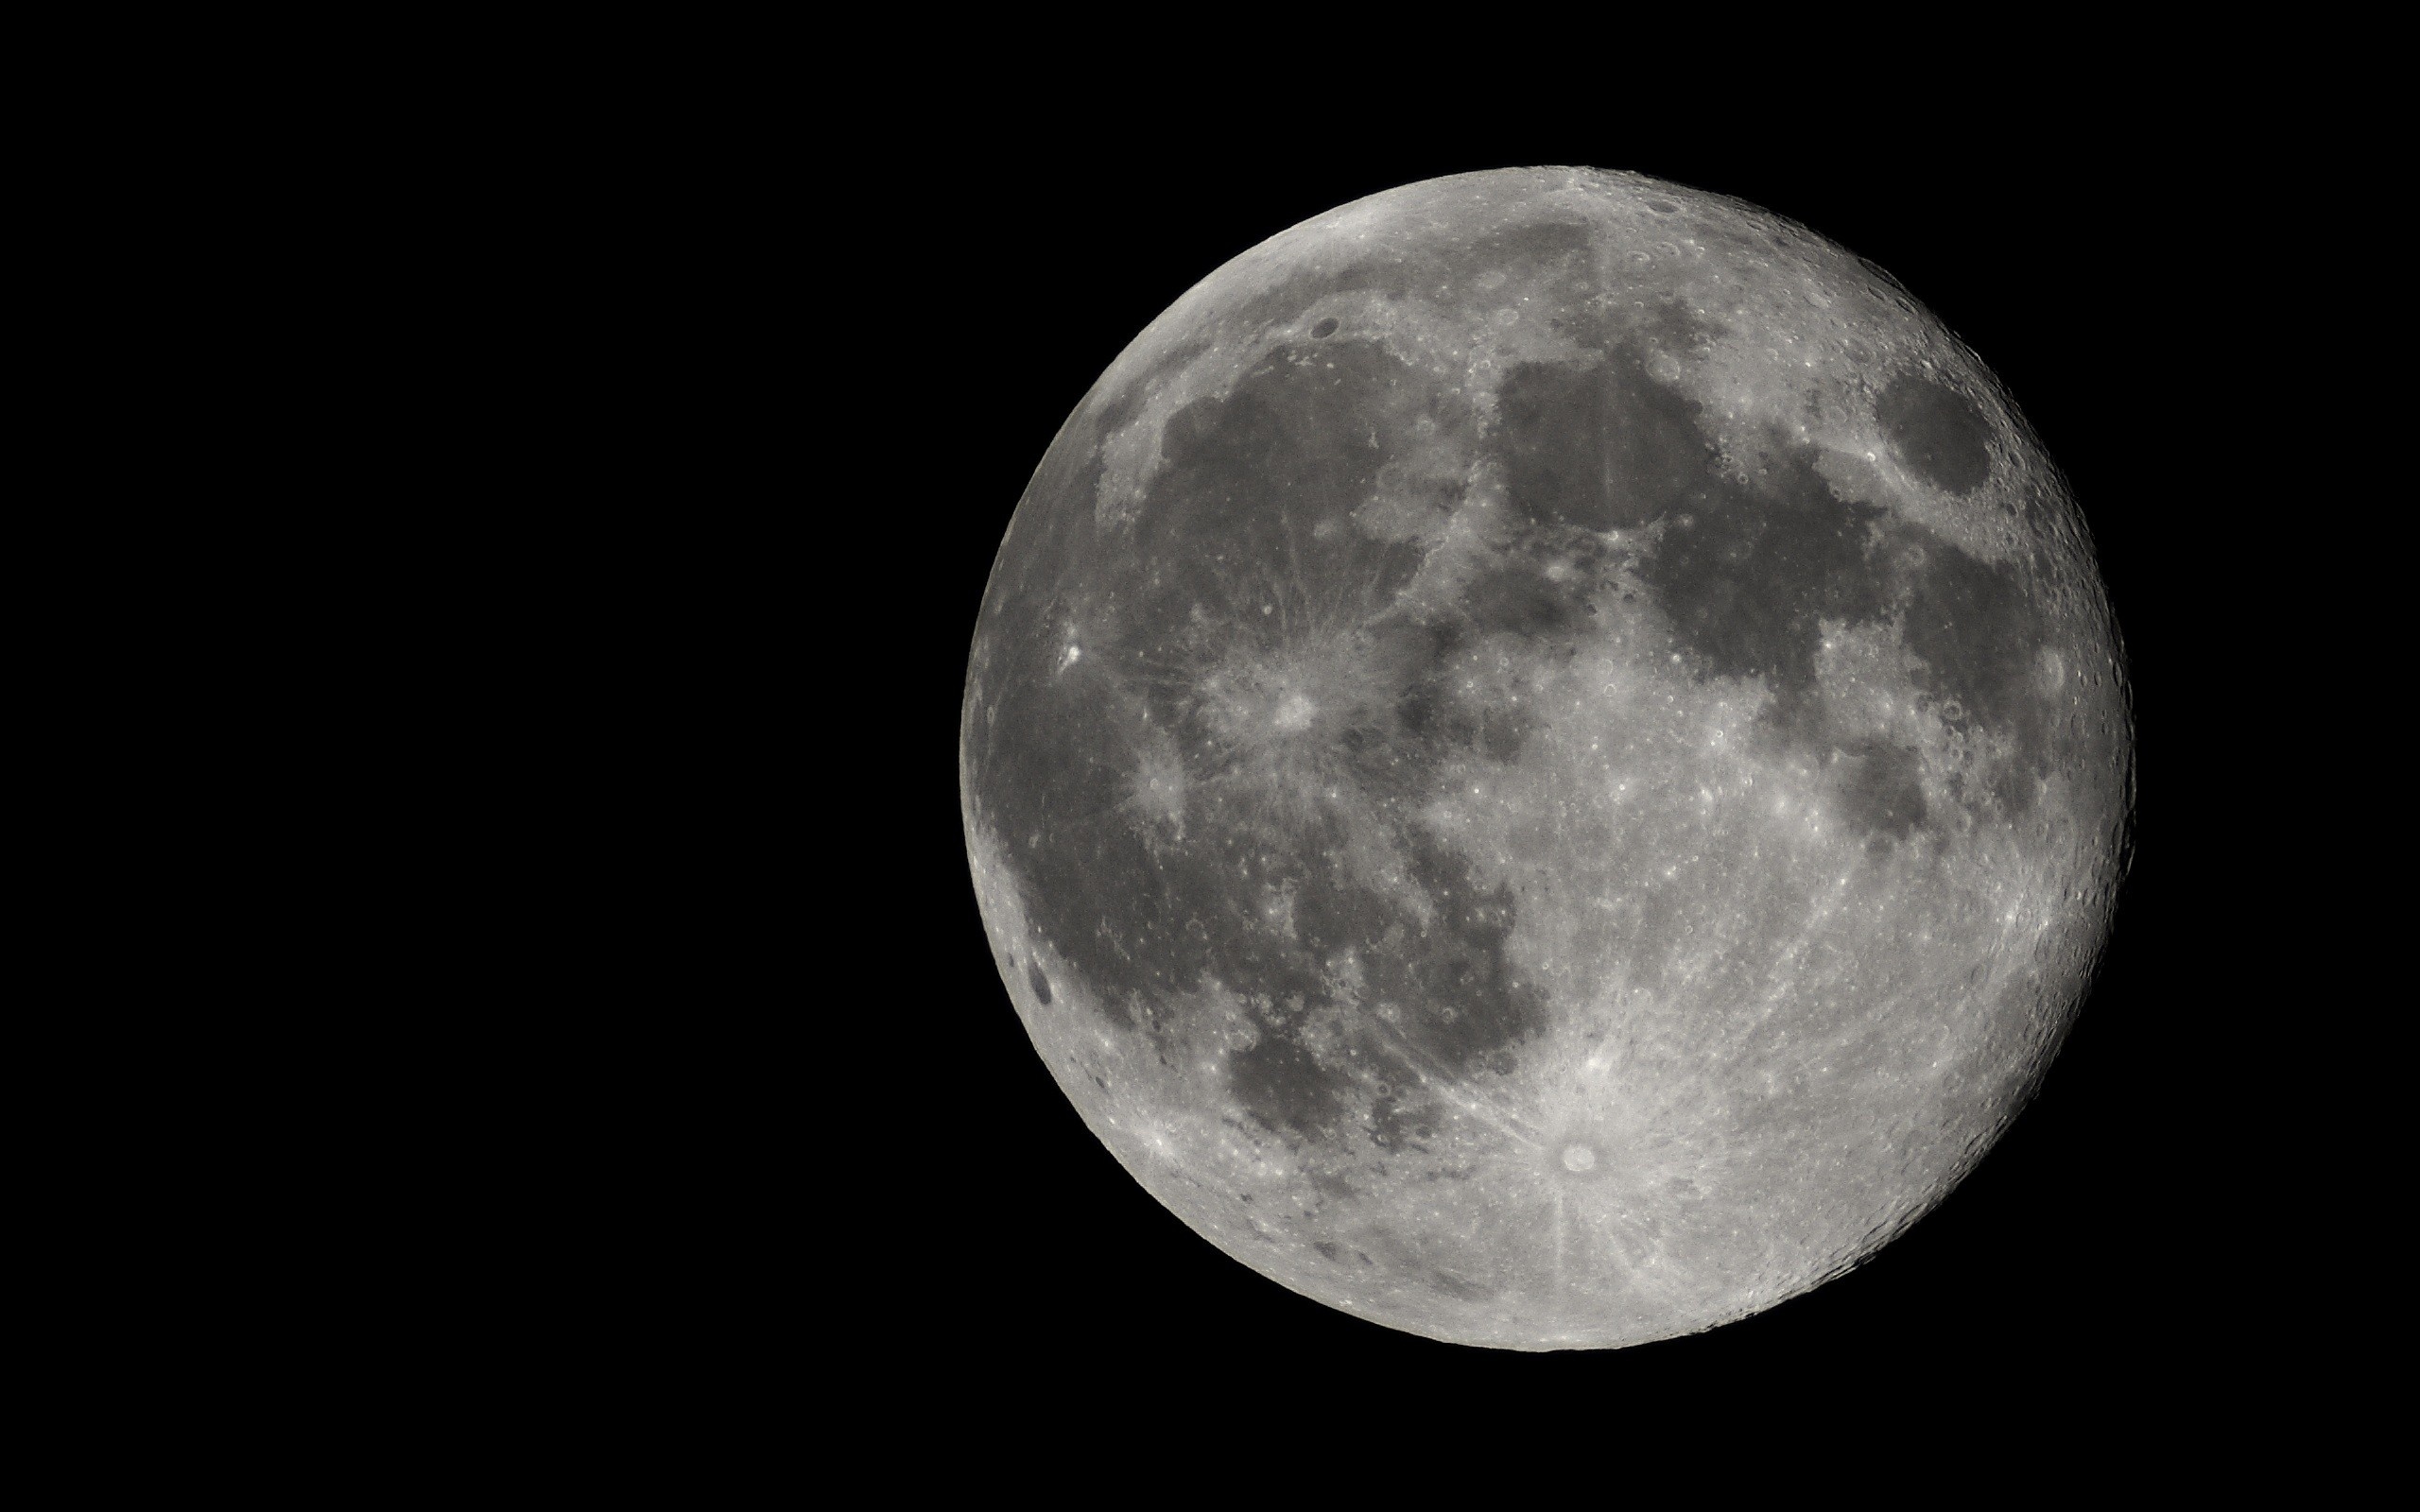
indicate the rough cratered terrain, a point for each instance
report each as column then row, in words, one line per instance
column 1544, row 759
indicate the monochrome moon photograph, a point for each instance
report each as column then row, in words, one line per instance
column 1545, row 759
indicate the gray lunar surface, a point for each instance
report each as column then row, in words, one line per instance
column 1545, row 759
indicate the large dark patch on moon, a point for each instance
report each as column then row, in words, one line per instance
column 1243, row 567
column 1516, row 820
column 1599, row 447
column 1937, row 432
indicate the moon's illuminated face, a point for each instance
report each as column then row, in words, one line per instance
column 1544, row 759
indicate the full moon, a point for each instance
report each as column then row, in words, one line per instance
column 1545, row 759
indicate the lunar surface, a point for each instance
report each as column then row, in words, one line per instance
column 1545, row 759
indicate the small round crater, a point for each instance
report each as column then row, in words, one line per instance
column 1579, row 1157
column 1325, row 329
column 1664, row 207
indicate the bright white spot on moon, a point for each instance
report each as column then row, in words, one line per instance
column 1579, row 1157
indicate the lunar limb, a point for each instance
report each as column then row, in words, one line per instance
column 1545, row 759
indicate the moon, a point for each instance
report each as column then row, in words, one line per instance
column 1545, row 759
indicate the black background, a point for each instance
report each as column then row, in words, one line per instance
column 2095, row 1245
column 707, row 1103
column 739, row 1123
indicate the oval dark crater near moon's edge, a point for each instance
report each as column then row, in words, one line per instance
column 1553, row 755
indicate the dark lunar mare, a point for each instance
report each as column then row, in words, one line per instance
column 1243, row 549
column 1748, row 565
column 1937, row 433
column 1601, row 448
